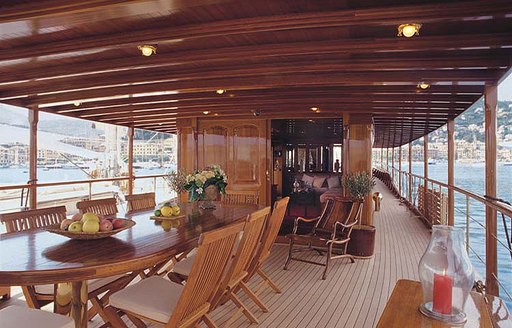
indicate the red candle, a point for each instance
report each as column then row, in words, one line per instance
column 442, row 294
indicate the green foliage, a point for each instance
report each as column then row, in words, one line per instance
column 359, row 184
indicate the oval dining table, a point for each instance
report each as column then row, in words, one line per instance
column 40, row 257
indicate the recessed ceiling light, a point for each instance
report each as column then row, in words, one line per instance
column 206, row 112
column 314, row 109
column 77, row 103
column 423, row 85
column 409, row 30
column 220, row 91
column 216, row 114
column 231, row 95
column 147, row 50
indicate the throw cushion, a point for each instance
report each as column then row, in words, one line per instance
column 318, row 182
column 308, row 180
column 333, row 182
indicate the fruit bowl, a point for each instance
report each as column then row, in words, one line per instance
column 55, row 228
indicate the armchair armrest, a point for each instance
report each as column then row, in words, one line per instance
column 344, row 226
column 300, row 218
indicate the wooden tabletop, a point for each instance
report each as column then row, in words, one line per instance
column 38, row 257
column 402, row 310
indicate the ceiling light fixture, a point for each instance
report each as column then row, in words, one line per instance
column 77, row 103
column 206, row 112
column 409, row 30
column 147, row 50
column 423, row 85
column 314, row 109
column 220, row 91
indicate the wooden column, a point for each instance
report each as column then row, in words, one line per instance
column 345, row 149
column 400, row 171
column 410, row 172
column 491, row 259
column 393, row 165
column 187, row 146
column 359, row 152
column 33, row 119
column 130, row 160
column 451, row 171
column 425, row 173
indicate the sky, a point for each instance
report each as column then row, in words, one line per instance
column 505, row 89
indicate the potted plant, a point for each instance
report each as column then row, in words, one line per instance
column 362, row 240
column 206, row 185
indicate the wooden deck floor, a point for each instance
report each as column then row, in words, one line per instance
column 353, row 295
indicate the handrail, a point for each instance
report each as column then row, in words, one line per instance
column 63, row 183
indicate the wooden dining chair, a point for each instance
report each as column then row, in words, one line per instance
column 247, row 248
column 250, row 197
column 330, row 234
column 18, row 316
column 35, row 296
column 140, row 202
column 38, row 296
column 105, row 206
column 164, row 302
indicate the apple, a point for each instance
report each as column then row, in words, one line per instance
column 77, row 217
column 166, row 211
column 65, row 224
column 90, row 216
column 176, row 210
column 106, row 225
column 91, row 226
column 75, row 227
column 118, row 223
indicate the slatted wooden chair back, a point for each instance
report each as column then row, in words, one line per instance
column 271, row 230
column 241, row 197
column 140, row 201
column 339, row 212
column 327, row 212
column 354, row 215
column 33, row 219
column 105, row 206
column 215, row 249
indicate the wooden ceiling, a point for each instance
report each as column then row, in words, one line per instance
column 277, row 58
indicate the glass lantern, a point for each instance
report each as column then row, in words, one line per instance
column 446, row 275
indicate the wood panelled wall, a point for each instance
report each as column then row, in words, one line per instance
column 240, row 147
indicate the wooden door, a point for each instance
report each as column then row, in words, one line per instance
column 241, row 148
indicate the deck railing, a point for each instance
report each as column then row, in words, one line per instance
column 469, row 214
column 13, row 197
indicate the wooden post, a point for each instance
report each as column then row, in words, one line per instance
column 425, row 175
column 393, row 165
column 491, row 259
column 346, row 149
column 131, row 178
column 400, row 171
column 33, row 119
column 410, row 172
column 451, row 166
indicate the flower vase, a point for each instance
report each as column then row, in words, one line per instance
column 211, row 194
column 446, row 275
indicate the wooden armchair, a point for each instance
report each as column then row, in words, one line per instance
column 105, row 206
column 241, row 197
column 140, row 202
column 330, row 234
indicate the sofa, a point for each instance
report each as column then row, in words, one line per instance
column 322, row 183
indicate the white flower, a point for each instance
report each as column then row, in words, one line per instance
column 199, row 190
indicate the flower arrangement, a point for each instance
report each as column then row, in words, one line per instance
column 197, row 182
column 176, row 181
column 359, row 184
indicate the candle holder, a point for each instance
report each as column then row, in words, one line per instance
column 446, row 276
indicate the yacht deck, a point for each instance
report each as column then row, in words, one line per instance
column 354, row 295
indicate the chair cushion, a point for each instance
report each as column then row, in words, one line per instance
column 22, row 317
column 93, row 284
column 154, row 298
column 184, row 266
column 333, row 182
column 308, row 180
column 318, row 181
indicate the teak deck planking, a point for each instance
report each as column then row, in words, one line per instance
column 354, row 295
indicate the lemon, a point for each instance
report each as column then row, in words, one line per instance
column 166, row 211
column 176, row 210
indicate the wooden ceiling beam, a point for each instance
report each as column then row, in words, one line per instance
column 311, row 20
column 263, row 81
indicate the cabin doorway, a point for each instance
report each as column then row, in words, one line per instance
column 307, row 164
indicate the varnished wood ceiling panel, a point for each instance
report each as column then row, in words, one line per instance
column 276, row 58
